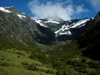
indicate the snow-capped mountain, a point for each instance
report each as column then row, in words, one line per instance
column 46, row 30
column 66, row 29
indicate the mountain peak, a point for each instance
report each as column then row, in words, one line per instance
column 13, row 9
column 3, row 9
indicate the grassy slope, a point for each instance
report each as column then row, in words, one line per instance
column 11, row 63
column 71, row 56
column 66, row 59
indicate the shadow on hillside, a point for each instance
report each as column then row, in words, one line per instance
column 90, row 40
column 93, row 52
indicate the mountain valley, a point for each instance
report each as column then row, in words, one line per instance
column 48, row 46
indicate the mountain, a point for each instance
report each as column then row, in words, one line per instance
column 66, row 30
column 20, row 26
column 48, row 46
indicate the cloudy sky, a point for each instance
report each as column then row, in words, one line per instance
column 65, row 9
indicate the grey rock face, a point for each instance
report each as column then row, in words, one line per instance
column 18, row 25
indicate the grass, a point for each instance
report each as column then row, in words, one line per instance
column 11, row 63
column 19, row 71
column 60, row 61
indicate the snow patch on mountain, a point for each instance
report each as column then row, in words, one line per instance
column 21, row 16
column 40, row 22
column 65, row 29
column 9, row 7
column 62, row 30
column 79, row 23
column 66, row 33
column 5, row 10
column 52, row 22
column 92, row 18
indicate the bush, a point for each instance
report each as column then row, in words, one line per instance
column 50, row 72
column 2, row 59
column 32, row 56
column 94, row 64
column 19, row 53
column 93, row 73
column 24, row 63
column 32, row 67
column 68, row 71
column 4, row 64
column 8, row 59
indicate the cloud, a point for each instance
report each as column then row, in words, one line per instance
column 80, row 9
column 64, row 10
column 95, row 4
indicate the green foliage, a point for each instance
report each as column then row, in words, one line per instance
column 32, row 67
column 50, row 72
column 25, row 63
column 39, row 56
column 67, row 50
column 94, row 64
column 68, row 71
column 4, row 64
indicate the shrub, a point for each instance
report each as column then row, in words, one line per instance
column 93, row 73
column 4, row 64
column 68, row 71
column 8, row 59
column 32, row 67
column 19, row 53
column 94, row 64
column 50, row 72
column 2, row 59
column 24, row 63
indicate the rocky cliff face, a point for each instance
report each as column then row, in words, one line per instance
column 18, row 25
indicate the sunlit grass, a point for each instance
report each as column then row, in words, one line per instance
column 11, row 63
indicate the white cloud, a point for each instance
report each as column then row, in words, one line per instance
column 80, row 9
column 51, row 9
column 95, row 4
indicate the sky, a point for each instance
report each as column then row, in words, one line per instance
column 65, row 9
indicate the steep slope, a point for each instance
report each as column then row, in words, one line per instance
column 91, row 39
column 21, row 27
